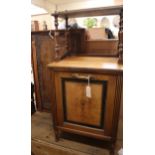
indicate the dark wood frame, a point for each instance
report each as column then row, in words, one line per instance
column 104, row 85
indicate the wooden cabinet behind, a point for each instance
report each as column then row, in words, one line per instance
column 42, row 54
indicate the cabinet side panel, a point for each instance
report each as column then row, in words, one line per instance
column 45, row 55
column 35, row 74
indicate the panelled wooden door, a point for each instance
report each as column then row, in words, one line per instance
column 44, row 54
column 76, row 110
column 80, row 109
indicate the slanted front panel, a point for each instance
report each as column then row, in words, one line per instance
column 80, row 109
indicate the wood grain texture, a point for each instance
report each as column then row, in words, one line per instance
column 68, row 42
column 95, row 64
column 43, row 140
column 79, row 113
column 102, row 47
column 35, row 74
column 111, row 80
column 117, row 104
column 60, row 44
column 44, row 148
column 44, row 47
column 86, row 110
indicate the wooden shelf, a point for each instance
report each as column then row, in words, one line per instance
column 102, row 11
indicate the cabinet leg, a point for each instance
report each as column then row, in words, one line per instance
column 112, row 150
column 57, row 135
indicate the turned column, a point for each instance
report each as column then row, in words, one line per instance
column 120, row 44
column 56, row 35
column 56, row 21
column 66, row 20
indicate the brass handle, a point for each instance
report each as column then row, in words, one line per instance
column 82, row 76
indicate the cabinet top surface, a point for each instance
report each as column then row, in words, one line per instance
column 91, row 63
